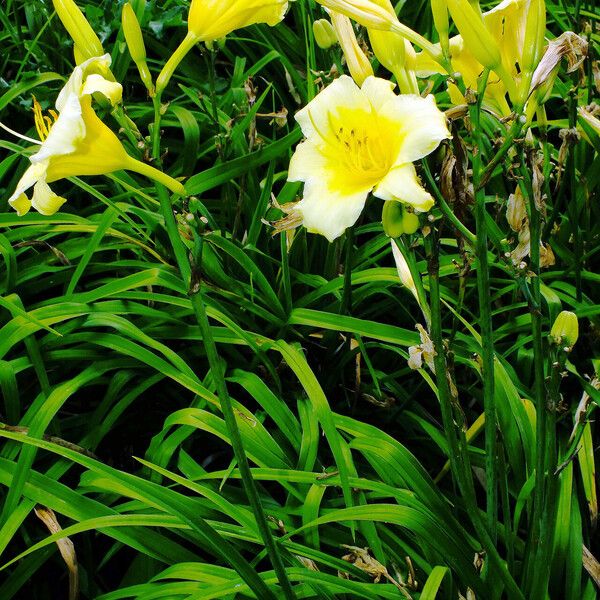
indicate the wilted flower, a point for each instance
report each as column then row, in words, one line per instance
column 74, row 141
column 425, row 351
column 360, row 140
column 210, row 20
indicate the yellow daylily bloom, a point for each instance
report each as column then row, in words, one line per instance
column 362, row 140
column 506, row 23
column 210, row 20
column 74, row 141
column 358, row 64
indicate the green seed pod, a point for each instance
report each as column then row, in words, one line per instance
column 392, row 218
column 410, row 222
column 565, row 331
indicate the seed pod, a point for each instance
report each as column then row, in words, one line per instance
column 565, row 331
column 392, row 218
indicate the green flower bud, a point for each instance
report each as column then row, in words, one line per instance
column 135, row 43
column 324, row 34
column 565, row 331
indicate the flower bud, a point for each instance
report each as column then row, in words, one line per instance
column 533, row 45
column 475, row 35
column 565, row 331
column 133, row 34
column 85, row 39
column 365, row 12
column 410, row 222
column 358, row 64
column 135, row 44
column 439, row 10
column 324, row 34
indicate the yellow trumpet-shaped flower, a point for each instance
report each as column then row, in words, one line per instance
column 74, row 141
column 506, row 23
column 362, row 140
column 214, row 19
column 210, row 20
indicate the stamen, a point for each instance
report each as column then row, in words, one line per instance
column 19, row 135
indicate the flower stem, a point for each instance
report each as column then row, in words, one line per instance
column 485, row 321
column 185, row 269
column 188, row 42
column 157, row 175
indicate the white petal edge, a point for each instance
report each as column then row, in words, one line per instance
column 328, row 213
column 421, row 123
column 64, row 135
column 315, row 118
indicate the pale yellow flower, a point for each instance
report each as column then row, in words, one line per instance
column 362, row 140
column 506, row 23
column 74, row 141
column 210, row 20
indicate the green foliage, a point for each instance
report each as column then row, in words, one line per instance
column 113, row 412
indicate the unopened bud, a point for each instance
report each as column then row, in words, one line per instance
column 565, row 331
column 135, row 44
column 324, row 34
column 478, row 40
column 439, row 10
column 358, row 64
column 87, row 43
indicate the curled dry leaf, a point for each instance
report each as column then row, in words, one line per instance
column 65, row 547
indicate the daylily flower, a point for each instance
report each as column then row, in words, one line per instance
column 362, row 140
column 210, row 20
column 506, row 23
column 74, row 141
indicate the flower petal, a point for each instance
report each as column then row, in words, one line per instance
column 33, row 174
column 44, row 200
column 21, row 204
column 421, row 125
column 402, row 184
column 328, row 212
column 315, row 118
column 379, row 91
column 96, row 83
column 68, row 130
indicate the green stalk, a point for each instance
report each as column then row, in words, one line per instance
column 539, row 387
column 459, row 459
column 411, row 261
column 485, row 322
column 185, row 269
